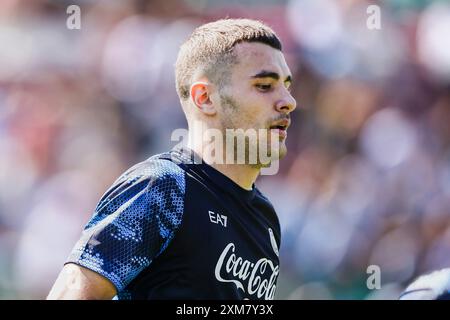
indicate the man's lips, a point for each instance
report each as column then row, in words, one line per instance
column 281, row 132
column 280, row 127
column 281, row 124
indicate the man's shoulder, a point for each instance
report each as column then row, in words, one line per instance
column 271, row 212
column 262, row 196
column 156, row 180
column 155, row 174
column 161, row 166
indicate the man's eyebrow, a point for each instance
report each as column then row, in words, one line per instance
column 271, row 74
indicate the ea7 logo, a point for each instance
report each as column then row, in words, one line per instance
column 218, row 218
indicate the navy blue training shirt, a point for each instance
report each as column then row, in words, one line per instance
column 171, row 228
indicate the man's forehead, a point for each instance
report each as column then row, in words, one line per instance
column 255, row 56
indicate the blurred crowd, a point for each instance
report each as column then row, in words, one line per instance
column 367, row 176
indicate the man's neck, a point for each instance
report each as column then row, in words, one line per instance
column 243, row 175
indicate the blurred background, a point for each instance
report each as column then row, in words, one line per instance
column 367, row 176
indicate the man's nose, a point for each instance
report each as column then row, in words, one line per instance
column 287, row 104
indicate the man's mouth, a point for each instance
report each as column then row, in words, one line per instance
column 281, row 127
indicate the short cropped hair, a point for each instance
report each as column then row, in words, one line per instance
column 209, row 49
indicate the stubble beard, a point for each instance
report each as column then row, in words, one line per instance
column 232, row 108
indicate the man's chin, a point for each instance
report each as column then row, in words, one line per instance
column 274, row 155
column 279, row 154
column 282, row 153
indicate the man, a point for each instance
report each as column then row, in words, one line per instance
column 173, row 228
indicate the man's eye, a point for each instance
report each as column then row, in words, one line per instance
column 264, row 87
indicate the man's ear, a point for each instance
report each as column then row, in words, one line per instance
column 200, row 95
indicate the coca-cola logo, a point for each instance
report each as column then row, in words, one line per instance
column 255, row 278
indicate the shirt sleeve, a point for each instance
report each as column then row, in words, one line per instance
column 133, row 222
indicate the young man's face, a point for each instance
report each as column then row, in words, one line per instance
column 257, row 95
